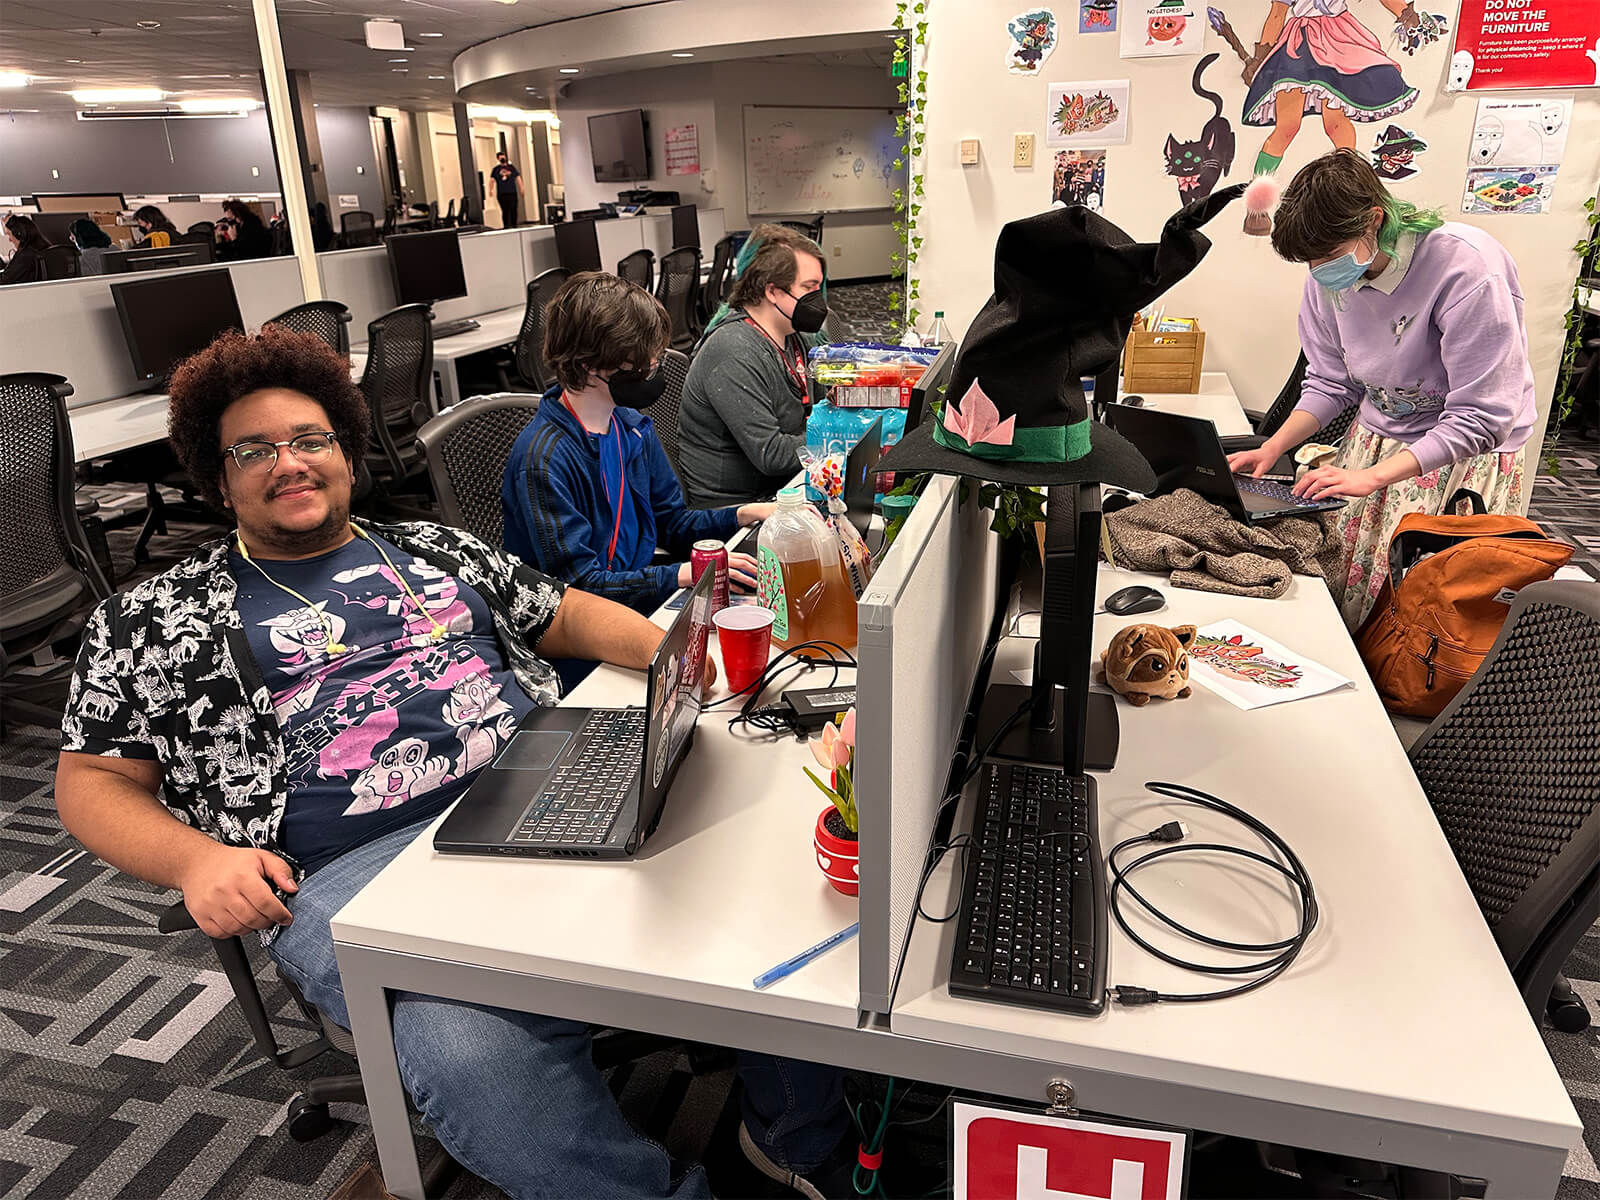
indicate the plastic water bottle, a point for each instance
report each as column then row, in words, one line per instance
column 938, row 334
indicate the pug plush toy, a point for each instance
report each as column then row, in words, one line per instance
column 1148, row 660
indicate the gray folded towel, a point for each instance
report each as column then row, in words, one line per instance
column 1206, row 549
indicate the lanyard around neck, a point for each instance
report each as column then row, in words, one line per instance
column 796, row 377
column 622, row 479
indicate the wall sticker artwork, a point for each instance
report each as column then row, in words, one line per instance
column 1162, row 28
column 1097, row 16
column 1198, row 165
column 1087, row 114
column 1394, row 154
column 1033, row 37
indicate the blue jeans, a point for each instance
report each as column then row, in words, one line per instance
column 515, row 1097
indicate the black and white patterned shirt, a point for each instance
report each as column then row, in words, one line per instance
column 165, row 673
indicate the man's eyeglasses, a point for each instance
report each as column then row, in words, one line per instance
column 260, row 456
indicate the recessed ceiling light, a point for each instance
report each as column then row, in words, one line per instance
column 569, row 70
column 75, row 60
column 401, row 70
column 438, row 76
column 148, row 24
column 399, row 60
column 682, row 54
column 13, row 79
column 430, row 35
column 218, row 105
column 117, row 95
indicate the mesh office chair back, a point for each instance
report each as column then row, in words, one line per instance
column 664, row 412
column 530, row 338
column 467, row 448
column 206, row 227
column 1512, row 769
column 46, row 574
column 450, row 214
column 326, row 319
column 61, row 262
column 398, row 385
column 1330, row 434
column 721, row 280
column 639, row 268
column 358, row 228
column 678, row 289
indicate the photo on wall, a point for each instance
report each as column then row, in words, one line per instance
column 1094, row 113
column 1079, row 178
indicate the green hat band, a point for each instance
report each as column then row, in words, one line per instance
column 1045, row 444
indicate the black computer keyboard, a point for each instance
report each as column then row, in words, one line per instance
column 1273, row 489
column 583, row 796
column 1032, row 928
column 444, row 329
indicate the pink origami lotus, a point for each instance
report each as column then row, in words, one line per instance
column 976, row 420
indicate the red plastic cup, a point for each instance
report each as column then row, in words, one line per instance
column 745, row 634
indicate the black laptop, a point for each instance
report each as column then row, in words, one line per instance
column 591, row 782
column 861, row 478
column 1185, row 452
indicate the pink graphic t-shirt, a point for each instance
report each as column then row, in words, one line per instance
column 387, row 709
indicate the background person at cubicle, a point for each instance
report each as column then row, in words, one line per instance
column 588, row 493
column 286, row 814
column 507, row 189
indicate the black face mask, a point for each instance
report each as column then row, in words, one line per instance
column 636, row 389
column 810, row 311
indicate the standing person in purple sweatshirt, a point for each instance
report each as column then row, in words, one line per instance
column 1419, row 321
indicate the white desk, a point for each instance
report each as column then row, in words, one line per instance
column 1216, row 401
column 498, row 328
column 1398, row 1035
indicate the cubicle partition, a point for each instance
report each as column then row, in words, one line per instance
column 69, row 326
column 922, row 624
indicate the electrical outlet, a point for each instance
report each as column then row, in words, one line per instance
column 969, row 152
column 1022, row 150
column 838, row 250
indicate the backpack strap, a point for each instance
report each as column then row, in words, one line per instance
column 1465, row 496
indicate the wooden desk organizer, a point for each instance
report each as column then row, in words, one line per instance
column 1163, row 362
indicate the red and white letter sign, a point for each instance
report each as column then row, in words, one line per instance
column 1005, row 1155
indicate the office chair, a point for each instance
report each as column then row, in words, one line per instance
column 391, row 217
column 664, row 412
column 49, row 575
column 531, row 371
column 1268, row 423
column 281, row 240
column 449, row 220
column 61, row 262
column 359, row 228
column 466, row 447
column 720, row 281
column 1512, row 769
column 678, row 289
column 812, row 229
column 326, row 319
column 398, row 386
column 209, row 228
column 638, row 267
column 194, row 237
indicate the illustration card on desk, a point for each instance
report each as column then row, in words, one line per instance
column 1250, row 670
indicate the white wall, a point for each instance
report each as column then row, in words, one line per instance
column 712, row 96
column 1245, row 297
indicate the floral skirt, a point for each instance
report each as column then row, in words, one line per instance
column 1365, row 526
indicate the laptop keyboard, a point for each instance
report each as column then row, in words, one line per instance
column 585, row 793
column 1272, row 490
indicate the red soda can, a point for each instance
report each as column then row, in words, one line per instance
column 713, row 553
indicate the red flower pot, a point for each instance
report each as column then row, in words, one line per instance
column 838, row 852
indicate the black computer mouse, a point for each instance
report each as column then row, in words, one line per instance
column 1135, row 599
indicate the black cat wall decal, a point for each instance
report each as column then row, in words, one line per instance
column 1199, row 164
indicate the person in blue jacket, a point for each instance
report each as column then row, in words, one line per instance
column 589, row 494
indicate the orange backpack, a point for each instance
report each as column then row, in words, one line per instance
column 1451, row 582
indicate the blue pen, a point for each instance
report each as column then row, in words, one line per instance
column 790, row 965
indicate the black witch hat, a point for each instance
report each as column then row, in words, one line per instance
column 1067, row 284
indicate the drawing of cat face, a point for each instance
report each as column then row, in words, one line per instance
column 1486, row 139
column 1167, row 29
column 300, row 632
column 1183, row 158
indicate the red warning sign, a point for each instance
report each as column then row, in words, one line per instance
column 1005, row 1155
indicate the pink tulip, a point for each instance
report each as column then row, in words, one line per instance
column 830, row 749
column 847, row 729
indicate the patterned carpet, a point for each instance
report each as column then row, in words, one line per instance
column 126, row 1071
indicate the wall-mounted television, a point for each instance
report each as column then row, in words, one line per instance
column 619, row 143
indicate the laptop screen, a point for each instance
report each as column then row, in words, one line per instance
column 861, row 477
column 675, row 692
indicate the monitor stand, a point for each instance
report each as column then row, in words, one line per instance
column 1041, row 745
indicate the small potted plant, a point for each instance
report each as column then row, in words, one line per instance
column 838, row 851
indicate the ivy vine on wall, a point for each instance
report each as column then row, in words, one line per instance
column 911, row 19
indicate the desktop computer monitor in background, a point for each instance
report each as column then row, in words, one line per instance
column 158, row 258
column 933, row 381
column 426, row 266
column 1066, row 724
column 578, row 246
column 685, row 226
column 55, row 226
column 167, row 319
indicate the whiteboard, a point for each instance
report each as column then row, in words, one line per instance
column 820, row 160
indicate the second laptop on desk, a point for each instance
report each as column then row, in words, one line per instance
column 591, row 782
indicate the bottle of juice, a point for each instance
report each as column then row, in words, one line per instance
column 801, row 578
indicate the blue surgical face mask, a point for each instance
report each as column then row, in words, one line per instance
column 1343, row 272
